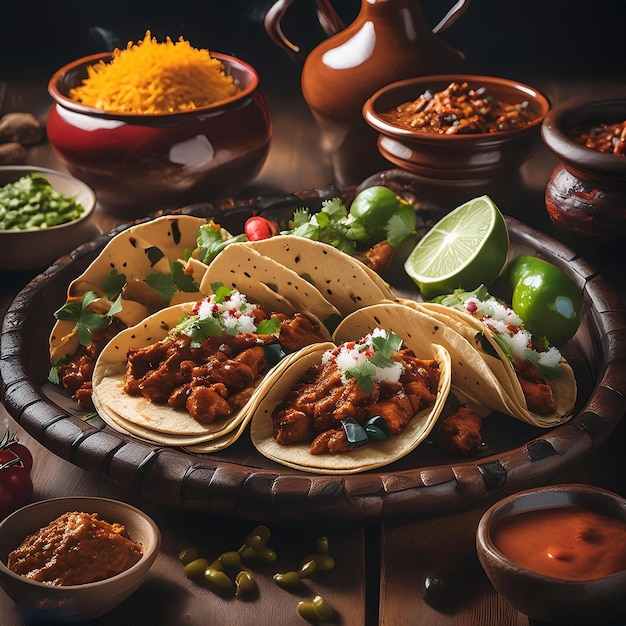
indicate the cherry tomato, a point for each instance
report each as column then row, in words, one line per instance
column 257, row 228
column 16, row 485
column 547, row 300
column 10, row 447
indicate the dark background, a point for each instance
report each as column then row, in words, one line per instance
column 500, row 37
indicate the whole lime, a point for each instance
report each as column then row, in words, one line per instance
column 374, row 207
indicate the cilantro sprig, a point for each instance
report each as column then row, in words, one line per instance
column 383, row 347
column 77, row 310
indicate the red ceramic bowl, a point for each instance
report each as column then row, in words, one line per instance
column 455, row 159
column 586, row 194
column 141, row 163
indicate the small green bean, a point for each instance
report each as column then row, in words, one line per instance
column 323, row 562
column 315, row 610
column 322, row 544
column 245, row 584
column 287, row 580
column 307, row 569
column 195, row 569
column 187, row 555
column 231, row 558
column 218, row 578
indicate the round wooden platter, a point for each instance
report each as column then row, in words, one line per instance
column 240, row 482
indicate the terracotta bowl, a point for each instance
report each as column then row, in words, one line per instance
column 142, row 163
column 74, row 603
column 541, row 597
column 586, row 194
column 455, row 159
column 36, row 248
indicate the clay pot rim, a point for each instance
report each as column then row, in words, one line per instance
column 248, row 88
column 371, row 113
column 582, row 110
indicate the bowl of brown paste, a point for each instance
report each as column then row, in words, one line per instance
column 74, row 559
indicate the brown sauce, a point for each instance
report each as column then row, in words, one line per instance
column 609, row 138
column 74, row 549
column 459, row 110
column 571, row 543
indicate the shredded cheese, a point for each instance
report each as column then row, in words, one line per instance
column 155, row 78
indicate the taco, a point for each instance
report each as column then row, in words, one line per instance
column 188, row 374
column 534, row 375
column 314, row 412
column 262, row 277
column 139, row 271
column 342, row 279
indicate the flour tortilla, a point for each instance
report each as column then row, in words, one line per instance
column 136, row 252
column 362, row 459
column 564, row 388
column 138, row 415
column 342, row 279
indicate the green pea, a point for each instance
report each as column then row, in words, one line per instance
column 287, row 580
column 186, row 555
column 195, row 569
column 217, row 578
column 230, row 559
column 245, row 584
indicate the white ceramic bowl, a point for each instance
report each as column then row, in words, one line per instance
column 74, row 603
column 39, row 247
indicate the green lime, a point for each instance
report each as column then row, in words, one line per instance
column 464, row 249
column 374, row 206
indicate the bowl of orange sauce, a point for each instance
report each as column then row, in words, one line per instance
column 558, row 553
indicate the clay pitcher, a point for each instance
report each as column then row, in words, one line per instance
column 388, row 41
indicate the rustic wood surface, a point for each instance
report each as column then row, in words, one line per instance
column 415, row 572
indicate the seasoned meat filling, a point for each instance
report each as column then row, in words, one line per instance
column 216, row 379
column 312, row 411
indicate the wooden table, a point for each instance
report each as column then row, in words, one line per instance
column 414, row 572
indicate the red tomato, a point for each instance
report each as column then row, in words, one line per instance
column 16, row 485
column 257, row 228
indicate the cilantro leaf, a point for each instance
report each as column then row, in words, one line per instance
column 549, row 372
column 86, row 320
column 113, row 283
column 184, row 282
column 398, row 228
column 364, row 374
column 269, row 327
column 163, row 283
column 211, row 241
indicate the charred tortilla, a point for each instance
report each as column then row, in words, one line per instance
column 341, row 279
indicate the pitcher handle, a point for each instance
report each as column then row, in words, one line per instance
column 328, row 18
column 452, row 15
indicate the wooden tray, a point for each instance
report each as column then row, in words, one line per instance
column 240, row 482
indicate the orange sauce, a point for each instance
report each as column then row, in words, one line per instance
column 570, row 543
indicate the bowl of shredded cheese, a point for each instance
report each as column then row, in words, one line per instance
column 158, row 125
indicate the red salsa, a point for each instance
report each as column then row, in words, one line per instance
column 571, row 543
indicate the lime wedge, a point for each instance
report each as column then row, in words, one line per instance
column 464, row 249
